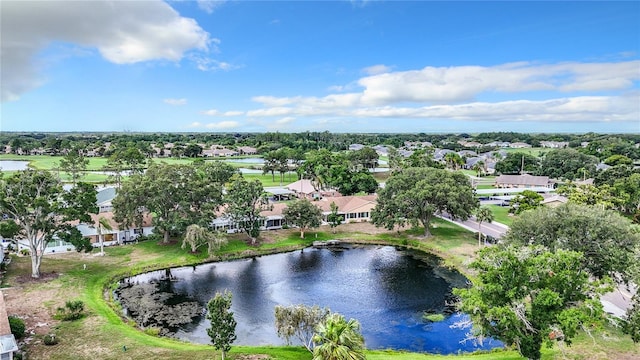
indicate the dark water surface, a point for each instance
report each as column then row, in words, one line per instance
column 384, row 288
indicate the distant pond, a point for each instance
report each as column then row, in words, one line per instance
column 13, row 165
column 385, row 288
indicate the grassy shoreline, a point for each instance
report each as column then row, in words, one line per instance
column 104, row 333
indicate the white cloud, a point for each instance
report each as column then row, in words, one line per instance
column 205, row 63
column 223, row 125
column 209, row 6
column 376, row 69
column 215, row 112
column 573, row 91
column 175, row 102
column 123, row 32
column 195, row 124
column 285, row 120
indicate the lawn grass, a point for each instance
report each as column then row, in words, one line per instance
column 103, row 334
column 501, row 214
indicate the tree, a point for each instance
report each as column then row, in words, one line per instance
column 223, row 326
column 338, row 339
column 75, row 164
column 632, row 323
column 192, row 150
column 42, row 208
column 567, row 164
column 518, row 162
column 177, row 195
column 526, row 200
column 197, row 236
column 617, row 159
column 365, row 158
column 303, row 214
column 453, row 160
column 531, row 296
column 115, row 164
column 246, row 200
column 270, row 164
column 9, row 229
column 102, row 224
column 607, row 239
column 74, row 236
column 416, row 195
column 483, row 214
column 299, row 321
column 334, row 219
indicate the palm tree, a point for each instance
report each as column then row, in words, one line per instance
column 102, row 224
column 338, row 339
column 483, row 214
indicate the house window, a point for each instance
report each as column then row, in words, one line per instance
column 138, row 231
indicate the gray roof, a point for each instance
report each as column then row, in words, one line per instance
column 106, row 195
column 526, row 179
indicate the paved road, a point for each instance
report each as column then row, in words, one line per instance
column 495, row 230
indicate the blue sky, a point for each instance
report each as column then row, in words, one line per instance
column 341, row 66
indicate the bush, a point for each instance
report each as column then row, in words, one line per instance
column 25, row 252
column 153, row 331
column 18, row 356
column 17, row 326
column 72, row 310
column 50, row 339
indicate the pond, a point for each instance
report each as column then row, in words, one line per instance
column 386, row 289
column 13, row 165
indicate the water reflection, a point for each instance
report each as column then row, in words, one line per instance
column 384, row 288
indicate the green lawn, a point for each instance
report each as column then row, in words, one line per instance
column 501, row 214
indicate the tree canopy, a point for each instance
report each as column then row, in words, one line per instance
column 178, row 195
column 531, row 296
column 245, row 201
column 223, row 326
column 416, row 195
column 40, row 206
column 303, row 214
column 568, row 164
column 516, row 162
column 607, row 239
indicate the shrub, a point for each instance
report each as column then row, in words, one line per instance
column 153, row 331
column 17, row 356
column 50, row 339
column 72, row 310
column 25, row 252
column 17, row 326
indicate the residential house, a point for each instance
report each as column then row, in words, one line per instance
column 554, row 201
column 439, row 154
column 554, row 144
column 247, row 150
column 217, row 152
column 523, row 181
column 8, row 345
column 467, row 153
column 499, row 144
column 356, row 147
column 304, row 189
column 104, row 197
column 381, row 150
column 519, row 145
column 352, row 208
column 117, row 234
